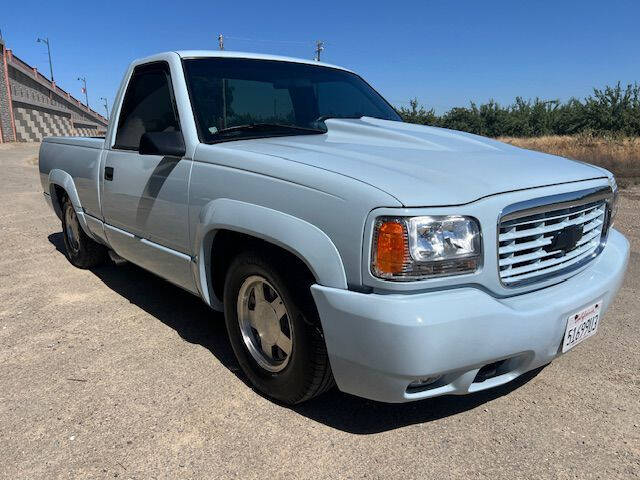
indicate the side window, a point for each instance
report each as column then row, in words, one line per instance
column 147, row 107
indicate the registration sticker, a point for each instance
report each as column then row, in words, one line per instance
column 581, row 325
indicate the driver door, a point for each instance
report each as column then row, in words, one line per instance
column 144, row 197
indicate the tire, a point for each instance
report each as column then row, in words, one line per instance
column 81, row 250
column 292, row 377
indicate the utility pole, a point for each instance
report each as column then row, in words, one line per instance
column 84, row 89
column 46, row 42
column 319, row 49
column 106, row 106
column 221, row 42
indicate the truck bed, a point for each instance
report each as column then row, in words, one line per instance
column 89, row 142
column 78, row 158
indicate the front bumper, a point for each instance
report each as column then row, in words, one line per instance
column 379, row 344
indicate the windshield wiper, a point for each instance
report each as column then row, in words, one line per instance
column 265, row 127
column 322, row 118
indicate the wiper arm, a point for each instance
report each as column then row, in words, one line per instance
column 322, row 118
column 260, row 127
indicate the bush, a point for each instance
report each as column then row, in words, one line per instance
column 609, row 111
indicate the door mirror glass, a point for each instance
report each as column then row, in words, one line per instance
column 168, row 144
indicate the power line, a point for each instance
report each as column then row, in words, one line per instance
column 244, row 39
column 319, row 45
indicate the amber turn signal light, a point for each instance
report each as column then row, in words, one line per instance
column 391, row 248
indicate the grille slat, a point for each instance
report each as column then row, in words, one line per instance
column 562, row 266
column 522, row 241
column 541, row 253
column 513, row 233
column 546, row 219
column 512, row 247
column 549, row 263
column 517, row 247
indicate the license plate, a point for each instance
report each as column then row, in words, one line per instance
column 581, row 325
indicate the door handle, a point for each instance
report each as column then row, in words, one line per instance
column 108, row 173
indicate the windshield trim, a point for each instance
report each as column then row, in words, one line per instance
column 201, row 136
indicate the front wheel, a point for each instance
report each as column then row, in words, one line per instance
column 274, row 330
column 82, row 251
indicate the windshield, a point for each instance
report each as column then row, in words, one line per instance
column 236, row 98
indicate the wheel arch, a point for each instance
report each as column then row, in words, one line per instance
column 61, row 184
column 304, row 241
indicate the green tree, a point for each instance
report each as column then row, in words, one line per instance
column 608, row 111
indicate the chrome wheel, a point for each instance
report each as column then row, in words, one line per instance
column 72, row 229
column 264, row 323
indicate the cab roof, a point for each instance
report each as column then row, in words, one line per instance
column 255, row 56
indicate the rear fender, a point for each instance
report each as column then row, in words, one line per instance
column 65, row 181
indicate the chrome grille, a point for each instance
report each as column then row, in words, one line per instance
column 525, row 251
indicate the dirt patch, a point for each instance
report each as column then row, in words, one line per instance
column 619, row 155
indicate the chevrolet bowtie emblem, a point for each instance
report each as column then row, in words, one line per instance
column 566, row 239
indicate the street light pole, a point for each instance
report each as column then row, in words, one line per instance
column 84, row 89
column 46, row 42
column 106, row 106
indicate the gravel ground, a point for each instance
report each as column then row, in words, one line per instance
column 116, row 373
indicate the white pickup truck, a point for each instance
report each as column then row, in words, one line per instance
column 397, row 261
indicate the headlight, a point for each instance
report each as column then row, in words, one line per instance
column 614, row 201
column 414, row 248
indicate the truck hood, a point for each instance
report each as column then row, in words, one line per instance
column 420, row 165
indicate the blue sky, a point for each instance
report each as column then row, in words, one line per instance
column 445, row 53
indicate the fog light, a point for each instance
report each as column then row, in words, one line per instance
column 423, row 382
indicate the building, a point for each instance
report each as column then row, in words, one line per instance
column 33, row 107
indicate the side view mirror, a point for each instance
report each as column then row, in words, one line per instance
column 168, row 144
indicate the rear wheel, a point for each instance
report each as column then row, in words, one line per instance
column 274, row 329
column 82, row 251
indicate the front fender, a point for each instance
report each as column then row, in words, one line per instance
column 301, row 238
